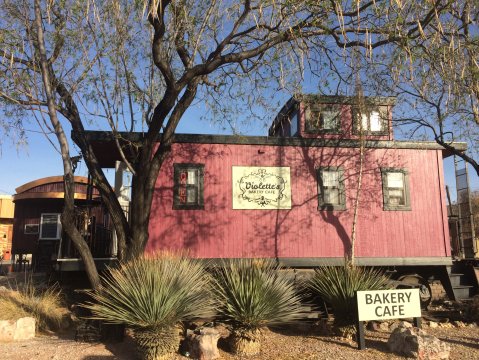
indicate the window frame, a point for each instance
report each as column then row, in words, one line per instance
column 385, row 189
column 322, row 206
column 177, row 169
column 321, row 108
column 34, row 232
column 383, row 112
column 294, row 119
column 59, row 227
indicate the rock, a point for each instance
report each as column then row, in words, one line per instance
column 433, row 324
column 380, row 326
column 223, row 330
column 446, row 325
column 203, row 343
column 459, row 324
column 21, row 329
column 416, row 343
column 400, row 324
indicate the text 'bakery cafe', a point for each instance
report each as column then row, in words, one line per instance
column 388, row 304
column 385, row 305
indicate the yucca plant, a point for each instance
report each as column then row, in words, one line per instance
column 152, row 295
column 251, row 295
column 337, row 286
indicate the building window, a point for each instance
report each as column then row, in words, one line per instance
column 294, row 123
column 395, row 189
column 373, row 121
column 331, row 194
column 323, row 119
column 31, row 229
column 188, row 189
column 50, row 226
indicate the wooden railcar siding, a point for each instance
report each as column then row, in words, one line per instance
column 29, row 212
column 218, row 231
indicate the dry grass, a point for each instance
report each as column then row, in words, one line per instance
column 28, row 300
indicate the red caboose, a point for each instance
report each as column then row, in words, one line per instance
column 292, row 195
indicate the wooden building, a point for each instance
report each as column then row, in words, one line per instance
column 37, row 226
column 291, row 195
column 6, row 226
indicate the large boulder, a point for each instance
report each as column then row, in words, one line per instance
column 17, row 330
column 416, row 343
column 203, row 343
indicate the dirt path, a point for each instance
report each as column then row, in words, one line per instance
column 284, row 345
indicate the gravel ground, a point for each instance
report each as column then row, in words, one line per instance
column 284, row 345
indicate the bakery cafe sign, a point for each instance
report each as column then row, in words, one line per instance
column 385, row 305
column 262, row 187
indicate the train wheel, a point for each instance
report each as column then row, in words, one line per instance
column 425, row 292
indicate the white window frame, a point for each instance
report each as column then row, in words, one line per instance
column 59, row 227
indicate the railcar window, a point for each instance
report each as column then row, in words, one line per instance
column 395, row 189
column 372, row 121
column 323, row 118
column 294, row 123
column 31, row 229
column 50, row 226
column 188, row 187
column 331, row 194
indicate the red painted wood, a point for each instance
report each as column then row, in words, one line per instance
column 302, row 231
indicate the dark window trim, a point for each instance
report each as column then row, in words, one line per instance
column 342, row 193
column 292, row 114
column 177, row 167
column 407, row 198
column 383, row 114
column 320, row 108
column 31, row 229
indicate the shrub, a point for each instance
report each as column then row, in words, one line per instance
column 43, row 305
column 152, row 295
column 251, row 295
column 337, row 286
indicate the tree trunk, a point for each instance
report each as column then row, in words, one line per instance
column 68, row 224
column 140, row 213
column 68, row 214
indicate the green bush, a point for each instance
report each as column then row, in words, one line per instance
column 337, row 285
column 152, row 295
column 251, row 295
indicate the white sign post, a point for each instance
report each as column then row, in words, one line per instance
column 387, row 304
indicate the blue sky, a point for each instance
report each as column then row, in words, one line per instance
column 37, row 159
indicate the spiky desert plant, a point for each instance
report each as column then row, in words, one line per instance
column 251, row 295
column 337, row 285
column 152, row 295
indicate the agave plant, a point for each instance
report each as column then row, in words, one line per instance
column 152, row 295
column 251, row 295
column 337, row 285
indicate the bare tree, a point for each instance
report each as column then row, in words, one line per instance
column 437, row 81
column 138, row 66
